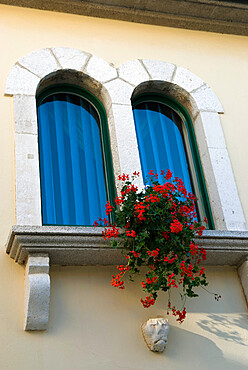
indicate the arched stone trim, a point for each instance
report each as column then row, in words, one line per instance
column 38, row 70
column 114, row 87
column 204, row 108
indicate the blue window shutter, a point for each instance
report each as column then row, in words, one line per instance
column 166, row 140
column 160, row 141
column 72, row 169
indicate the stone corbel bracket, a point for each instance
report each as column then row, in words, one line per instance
column 37, row 292
column 243, row 275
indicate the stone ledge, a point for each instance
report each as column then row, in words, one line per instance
column 79, row 246
column 205, row 15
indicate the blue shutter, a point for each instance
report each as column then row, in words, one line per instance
column 72, row 172
column 160, row 140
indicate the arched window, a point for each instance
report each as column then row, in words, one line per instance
column 166, row 140
column 75, row 161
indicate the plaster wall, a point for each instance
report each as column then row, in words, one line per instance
column 92, row 325
column 95, row 326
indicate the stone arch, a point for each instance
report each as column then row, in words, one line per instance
column 30, row 74
column 204, row 108
column 114, row 87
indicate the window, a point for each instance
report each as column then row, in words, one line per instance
column 114, row 87
column 75, row 161
column 166, row 140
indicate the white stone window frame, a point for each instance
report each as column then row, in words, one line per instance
column 114, row 88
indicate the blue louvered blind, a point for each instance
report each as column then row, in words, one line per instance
column 73, row 187
column 160, row 140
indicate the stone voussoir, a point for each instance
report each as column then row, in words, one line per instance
column 119, row 91
column 159, row 70
column 186, row 79
column 69, row 58
column 21, row 81
column 100, row 70
column 40, row 62
column 206, row 99
column 133, row 72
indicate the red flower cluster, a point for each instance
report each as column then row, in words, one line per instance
column 176, row 226
column 140, row 209
column 203, row 253
column 129, row 189
column 152, row 198
column 109, row 208
column 123, row 177
column 188, row 271
column 200, row 229
column 192, row 197
column 168, row 176
column 170, row 260
column 186, row 211
column 166, row 190
column 112, row 232
column 119, row 200
column 171, row 280
column 166, row 235
column 136, row 173
column 123, row 268
column 117, row 281
column 181, row 315
column 181, row 187
column 149, row 301
column 131, row 233
column 193, row 249
column 151, row 280
column 157, row 228
column 104, row 220
column 135, row 254
column 153, row 253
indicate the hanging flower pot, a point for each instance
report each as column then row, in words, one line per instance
column 157, row 226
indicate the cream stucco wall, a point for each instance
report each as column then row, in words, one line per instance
column 92, row 325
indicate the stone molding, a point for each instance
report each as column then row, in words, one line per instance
column 37, row 292
column 204, row 15
column 80, row 246
column 114, row 87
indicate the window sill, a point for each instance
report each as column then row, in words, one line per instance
column 80, row 246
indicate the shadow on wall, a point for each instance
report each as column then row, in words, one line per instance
column 225, row 327
column 100, row 327
column 197, row 352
